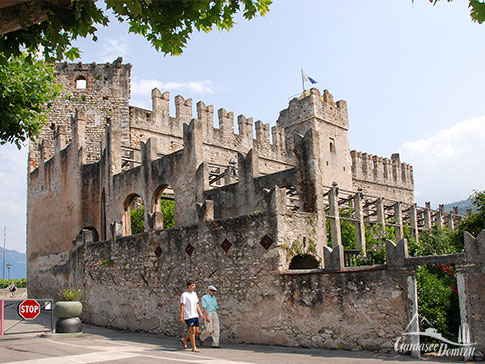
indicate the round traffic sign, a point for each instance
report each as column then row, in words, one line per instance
column 29, row 309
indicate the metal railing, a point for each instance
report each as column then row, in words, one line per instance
column 45, row 305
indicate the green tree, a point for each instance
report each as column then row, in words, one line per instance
column 168, row 212
column 52, row 25
column 137, row 217
column 473, row 223
column 26, row 89
column 477, row 9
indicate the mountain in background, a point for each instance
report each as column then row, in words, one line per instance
column 17, row 260
column 463, row 206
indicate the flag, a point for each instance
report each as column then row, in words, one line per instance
column 308, row 78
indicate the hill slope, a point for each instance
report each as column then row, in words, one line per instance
column 17, row 260
column 463, row 205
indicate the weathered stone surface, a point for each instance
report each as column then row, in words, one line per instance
column 244, row 208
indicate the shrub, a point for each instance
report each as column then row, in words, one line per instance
column 19, row 283
column 137, row 220
column 71, row 294
column 438, row 299
column 138, row 215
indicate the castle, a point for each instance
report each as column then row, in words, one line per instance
column 246, row 209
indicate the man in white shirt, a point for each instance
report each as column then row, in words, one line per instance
column 189, row 312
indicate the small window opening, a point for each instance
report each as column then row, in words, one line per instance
column 332, row 145
column 81, row 83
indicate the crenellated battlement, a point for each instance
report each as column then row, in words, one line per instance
column 370, row 170
column 96, row 144
column 159, row 123
column 314, row 105
column 251, row 203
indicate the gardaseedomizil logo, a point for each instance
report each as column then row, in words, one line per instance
column 445, row 347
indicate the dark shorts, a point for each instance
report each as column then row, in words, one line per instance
column 193, row 322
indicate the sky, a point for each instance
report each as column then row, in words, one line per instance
column 412, row 75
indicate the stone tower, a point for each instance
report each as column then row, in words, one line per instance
column 101, row 92
column 329, row 119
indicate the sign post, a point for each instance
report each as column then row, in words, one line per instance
column 1, row 319
column 29, row 309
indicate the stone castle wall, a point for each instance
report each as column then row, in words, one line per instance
column 105, row 101
column 135, row 283
column 239, row 234
column 382, row 177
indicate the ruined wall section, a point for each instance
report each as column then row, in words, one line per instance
column 383, row 177
column 220, row 144
column 104, row 100
column 53, row 195
column 313, row 110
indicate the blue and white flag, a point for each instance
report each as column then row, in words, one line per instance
column 308, row 78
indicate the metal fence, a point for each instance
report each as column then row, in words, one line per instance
column 12, row 323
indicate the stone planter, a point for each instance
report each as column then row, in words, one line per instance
column 68, row 313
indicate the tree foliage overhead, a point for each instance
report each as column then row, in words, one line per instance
column 166, row 24
column 477, row 9
column 26, row 89
column 49, row 27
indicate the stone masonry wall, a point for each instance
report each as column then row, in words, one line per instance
column 135, row 283
column 104, row 100
column 383, row 177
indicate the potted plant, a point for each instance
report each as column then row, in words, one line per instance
column 68, row 311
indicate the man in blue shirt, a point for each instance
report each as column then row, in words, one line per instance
column 209, row 305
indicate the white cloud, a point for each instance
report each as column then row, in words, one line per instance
column 114, row 48
column 450, row 164
column 145, row 87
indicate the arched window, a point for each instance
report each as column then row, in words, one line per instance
column 90, row 228
column 332, row 145
column 133, row 215
column 164, row 202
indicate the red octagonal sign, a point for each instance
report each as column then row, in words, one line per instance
column 29, row 309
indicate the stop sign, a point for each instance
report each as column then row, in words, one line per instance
column 29, row 309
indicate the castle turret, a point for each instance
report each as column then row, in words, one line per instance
column 101, row 92
column 313, row 110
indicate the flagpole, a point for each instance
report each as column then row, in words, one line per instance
column 302, row 81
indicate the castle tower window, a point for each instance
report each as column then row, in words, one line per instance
column 81, row 83
column 332, row 145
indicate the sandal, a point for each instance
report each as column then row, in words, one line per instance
column 196, row 350
column 184, row 343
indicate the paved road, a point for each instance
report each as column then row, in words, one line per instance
column 25, row 344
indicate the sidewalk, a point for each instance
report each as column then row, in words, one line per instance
column 99, row 345
column 21, row 293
